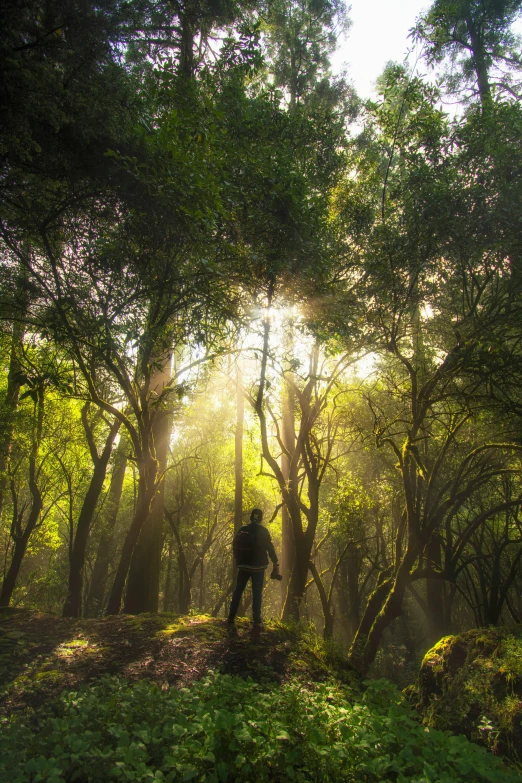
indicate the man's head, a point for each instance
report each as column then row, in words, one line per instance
column 256, row 515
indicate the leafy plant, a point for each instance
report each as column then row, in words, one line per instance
column 225, row 728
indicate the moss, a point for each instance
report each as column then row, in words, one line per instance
column 144, row 621
column 70, row 648
column 471, row 684
column 200, row 625
column 48, row 676
column 172, row 628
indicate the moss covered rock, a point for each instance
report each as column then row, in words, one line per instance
column 471, row 684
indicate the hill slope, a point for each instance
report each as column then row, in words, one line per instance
column 159, row 698
column 41, row 655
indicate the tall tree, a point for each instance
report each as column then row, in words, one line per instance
column 301, row 36
column 476, row 37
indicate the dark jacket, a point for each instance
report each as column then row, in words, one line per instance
column 263, row 548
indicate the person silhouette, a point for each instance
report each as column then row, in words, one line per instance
column 252, row 548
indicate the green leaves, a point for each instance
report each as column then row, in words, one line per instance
column 476, row 36
column 227, row 729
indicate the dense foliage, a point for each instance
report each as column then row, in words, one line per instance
column 228, row 729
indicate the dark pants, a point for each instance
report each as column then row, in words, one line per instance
column 258, row 578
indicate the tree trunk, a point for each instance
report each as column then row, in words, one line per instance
column 168, row 593
column 185, row 585
column 478, row 57
column 23, row 535
column 493, row 607
column 9, row 583
column 20, row 548
column 238, row 473
column 384, row 606
column 143, row 582
column 289, row 475
column 304, row 542
column 304, row 450
column 146, row 492
column 238, row 461
column 106, row 544
column 451, row 592
column 181, row 582
column 10, row 405
column 435, row 596
column 186, row 55
column 202, row 584
column 325, row 603
column 221, row 600
column 73, row 603
column 350, row 571
column 184, row 577
column 296, row 587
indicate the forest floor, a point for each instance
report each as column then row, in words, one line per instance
column 292, row 710
column 42, row 655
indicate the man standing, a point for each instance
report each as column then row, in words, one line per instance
column 252, row 546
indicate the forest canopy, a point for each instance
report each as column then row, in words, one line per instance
column 228, row 282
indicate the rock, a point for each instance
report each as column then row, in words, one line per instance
column 471, row 684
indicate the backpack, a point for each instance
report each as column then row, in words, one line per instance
column 244, row 546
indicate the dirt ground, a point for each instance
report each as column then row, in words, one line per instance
column 42, row 655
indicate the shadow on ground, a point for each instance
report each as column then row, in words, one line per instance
column 41, row 655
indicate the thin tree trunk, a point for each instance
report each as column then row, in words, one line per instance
column 221, row 600
column 185, row 578
column 353, row 567
column 181, row 583
column 451, row 592
column 325, row 603
column 304, row 542
column 238, row 460
column 289, row 475
column 478, row 57
column 186, row 57
column 202, row 584
column 168, row 593
column 22, row 536
column 73, row 603
column 20, row 549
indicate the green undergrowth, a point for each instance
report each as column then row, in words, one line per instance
column 225, row 728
